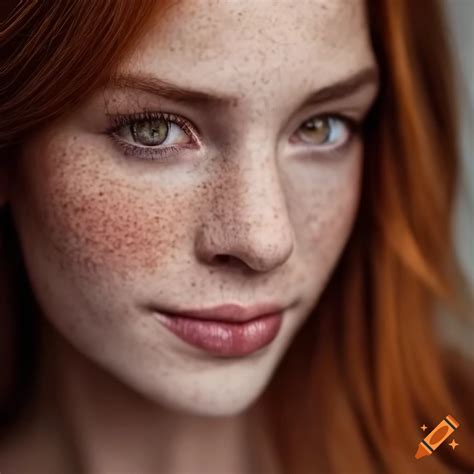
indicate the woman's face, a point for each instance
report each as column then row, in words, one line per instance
column 253, row 204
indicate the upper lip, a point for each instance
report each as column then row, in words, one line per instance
column 228, row 312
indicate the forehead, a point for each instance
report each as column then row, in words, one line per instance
column 236, row 46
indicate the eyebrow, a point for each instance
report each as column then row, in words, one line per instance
column 338, row 90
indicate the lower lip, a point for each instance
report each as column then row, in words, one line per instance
column 225, row 338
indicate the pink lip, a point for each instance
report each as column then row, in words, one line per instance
column 227, row 339
column 227, row 312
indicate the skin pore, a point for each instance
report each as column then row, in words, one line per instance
column 250, row 207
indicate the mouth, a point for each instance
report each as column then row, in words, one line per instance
column 226, row 331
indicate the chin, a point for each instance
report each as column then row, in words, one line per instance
column 198, row 395
column 208, row 404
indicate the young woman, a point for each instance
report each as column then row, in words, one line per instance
column 225, row 236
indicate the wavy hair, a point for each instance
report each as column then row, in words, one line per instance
column 368, row 367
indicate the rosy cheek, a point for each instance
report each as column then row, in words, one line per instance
column 97, row 221
column 108, row 228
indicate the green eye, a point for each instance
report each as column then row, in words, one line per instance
column 150, row 132
column 152, row 135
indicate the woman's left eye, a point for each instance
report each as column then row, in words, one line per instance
column 327, row 131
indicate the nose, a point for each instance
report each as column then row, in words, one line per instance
column 247, row 223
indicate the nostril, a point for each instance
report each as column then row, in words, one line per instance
column 222, row 258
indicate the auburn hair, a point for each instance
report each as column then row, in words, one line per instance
column 368, row 367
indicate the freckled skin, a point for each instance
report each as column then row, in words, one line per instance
column 106, row 234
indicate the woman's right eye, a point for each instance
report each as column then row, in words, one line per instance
column 155, row 132
column 153, row 136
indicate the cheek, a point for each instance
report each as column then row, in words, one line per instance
column 94, row 220
column 331, row 202
column 111, row 228
column 333, row 211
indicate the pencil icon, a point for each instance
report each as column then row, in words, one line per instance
column 436, row 437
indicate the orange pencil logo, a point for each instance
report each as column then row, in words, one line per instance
column 436, row 437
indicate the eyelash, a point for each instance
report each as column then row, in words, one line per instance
column 165, row 153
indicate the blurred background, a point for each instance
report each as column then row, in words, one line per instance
column 460, row 15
